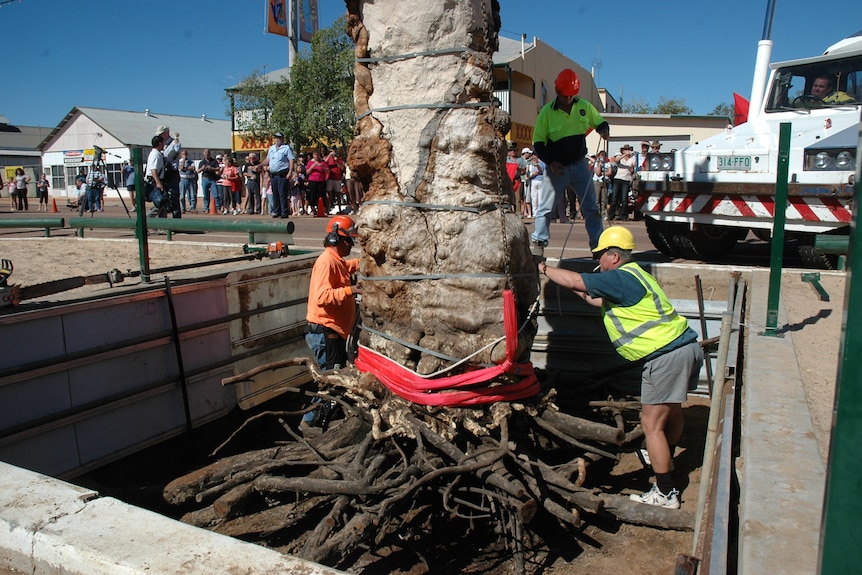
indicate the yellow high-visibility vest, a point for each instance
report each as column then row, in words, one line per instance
column 638, row 330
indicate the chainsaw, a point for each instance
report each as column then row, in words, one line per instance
column 273, row 250
column 11, row 294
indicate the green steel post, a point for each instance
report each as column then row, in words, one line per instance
column 141, row 223
column 840, row 551
column 775, row 260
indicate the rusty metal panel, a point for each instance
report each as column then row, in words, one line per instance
column 269, row 303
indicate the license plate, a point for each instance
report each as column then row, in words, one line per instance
column 740, row 163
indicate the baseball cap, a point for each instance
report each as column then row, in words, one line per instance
column 526, row 151
column 278, row 135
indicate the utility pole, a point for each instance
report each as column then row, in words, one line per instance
column 292, row 41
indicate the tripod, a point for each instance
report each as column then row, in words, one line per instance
column 99, row 164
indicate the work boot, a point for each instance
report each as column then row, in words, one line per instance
column 537, row 248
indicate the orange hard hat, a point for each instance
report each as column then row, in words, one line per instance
column 567, row 83
column 342, row 226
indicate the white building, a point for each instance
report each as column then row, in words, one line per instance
column 70, row 147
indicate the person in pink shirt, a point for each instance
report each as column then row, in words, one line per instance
column 317, row 172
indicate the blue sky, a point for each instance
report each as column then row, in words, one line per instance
column 178, row 56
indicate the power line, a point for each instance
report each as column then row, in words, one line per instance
column 4, row 2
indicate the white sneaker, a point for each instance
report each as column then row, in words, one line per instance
column 655, row 497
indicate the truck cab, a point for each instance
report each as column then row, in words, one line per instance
column 699, row 201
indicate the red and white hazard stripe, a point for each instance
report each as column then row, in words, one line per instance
column 814, row 209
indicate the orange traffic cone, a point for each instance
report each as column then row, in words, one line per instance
column 213, row 207
column 321, row 209
column 54, row 209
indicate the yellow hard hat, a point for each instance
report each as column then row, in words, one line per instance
column 616, row 237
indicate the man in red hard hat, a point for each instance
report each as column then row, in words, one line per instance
column 559, row 140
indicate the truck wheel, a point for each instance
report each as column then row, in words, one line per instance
column 706, row 242
column 661, row 236
column 812, row 259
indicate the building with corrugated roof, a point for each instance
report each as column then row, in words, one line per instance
column 70, row 147
column 19, row 148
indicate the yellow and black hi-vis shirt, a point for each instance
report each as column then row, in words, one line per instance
column 560, row 136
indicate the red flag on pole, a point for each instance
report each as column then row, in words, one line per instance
column 740, row 109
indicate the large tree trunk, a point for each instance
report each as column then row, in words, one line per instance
column 440, row 241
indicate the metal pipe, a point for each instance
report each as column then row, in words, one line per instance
column 178, row 350
column 188, row 224
column 703, row 331
column 825, row 244
column 140, row 220
column 778, row 220
column 45, row 223
column 839, row 530
column 715, row 411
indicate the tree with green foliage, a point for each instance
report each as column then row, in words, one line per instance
column 724, row 109
column 637, row 105
column 665, row 105
column 314, row 105
column 672, row 106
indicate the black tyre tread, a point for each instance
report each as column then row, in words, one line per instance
column 714, row 242
column 660, row 236
column 814, row 260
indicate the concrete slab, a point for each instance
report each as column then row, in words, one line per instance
column 48, row 526
column 782, row 475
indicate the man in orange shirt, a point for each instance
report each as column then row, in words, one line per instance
column 331, row 302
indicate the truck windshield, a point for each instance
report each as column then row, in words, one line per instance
column 828, row 84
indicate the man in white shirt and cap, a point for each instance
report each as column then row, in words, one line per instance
column 171, row 154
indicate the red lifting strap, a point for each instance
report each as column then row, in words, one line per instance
column 444, row 390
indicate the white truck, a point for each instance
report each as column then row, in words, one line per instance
column 699, row 201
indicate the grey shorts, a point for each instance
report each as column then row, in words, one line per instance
column 669, row 377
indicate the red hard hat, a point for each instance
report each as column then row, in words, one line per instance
column 342, row 226
column 567, row 83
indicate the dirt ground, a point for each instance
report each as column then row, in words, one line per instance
column 814, row 325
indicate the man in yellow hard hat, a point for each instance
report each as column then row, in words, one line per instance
column 643, row 327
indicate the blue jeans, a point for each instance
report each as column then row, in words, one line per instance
column 580, row 177
column 317, row 343
column 210, row 189
column 188, row 193
column 94, row 199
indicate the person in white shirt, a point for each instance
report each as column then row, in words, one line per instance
column 618, row 202
column 154, row 184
